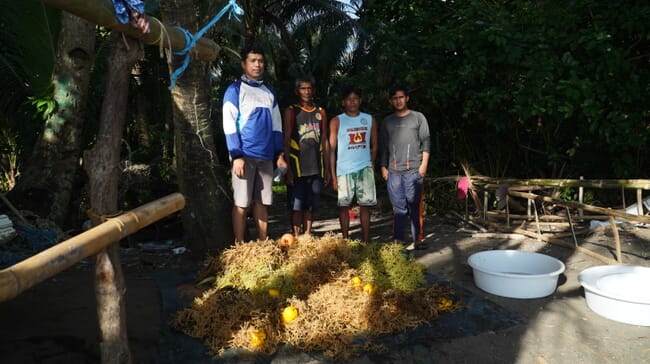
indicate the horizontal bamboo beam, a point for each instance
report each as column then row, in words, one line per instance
column 642, row 184
column 31, row 271
column 552, row 240
column 101, row 12
column 547, row 217
column 536, row 183
column 577, row 205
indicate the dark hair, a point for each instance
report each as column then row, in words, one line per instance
column 253, row 48
column 350, row 89
column 305, row 79
column 398, row 87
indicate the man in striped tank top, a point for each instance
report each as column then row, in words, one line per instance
column 353, row 148
column 306, row 145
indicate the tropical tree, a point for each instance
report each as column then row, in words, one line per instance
column 28, row 37
column 102, row 163
column 528, row 88
column 201, row 176
column 53, row 166
column 299, row 37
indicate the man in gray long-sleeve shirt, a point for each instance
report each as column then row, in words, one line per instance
column 405, row 146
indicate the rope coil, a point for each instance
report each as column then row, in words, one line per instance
column 231, row 8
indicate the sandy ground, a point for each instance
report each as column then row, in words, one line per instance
column 55, row 322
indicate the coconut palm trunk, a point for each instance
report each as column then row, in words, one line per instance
column 201, row 175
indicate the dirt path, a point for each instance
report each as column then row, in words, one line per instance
column 55, row 322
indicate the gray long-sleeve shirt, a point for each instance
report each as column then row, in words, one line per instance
column 403, row 139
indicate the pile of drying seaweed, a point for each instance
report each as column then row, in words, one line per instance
column 344, row 293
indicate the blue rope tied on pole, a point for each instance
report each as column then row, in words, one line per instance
column 190, row 40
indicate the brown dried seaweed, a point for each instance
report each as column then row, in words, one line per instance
column 323, row 278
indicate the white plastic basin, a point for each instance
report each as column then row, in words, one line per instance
column 515, row 274
column 618, row 292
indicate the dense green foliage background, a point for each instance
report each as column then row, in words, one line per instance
column 524, row 88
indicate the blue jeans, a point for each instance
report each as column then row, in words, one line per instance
column 304, row 195
column 406, row 193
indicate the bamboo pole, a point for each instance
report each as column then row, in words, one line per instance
column 617, row 239
column 554, row 241
column 101, row 12
column 31, row 271
column 643, row 184
column 581, row 193
column 539, row 229
column 571, row 204
column 507, row 210
column 581, row 232
column 13, row 209
column 468, row 221
column 485, row 204
column 573, row 232
column 546, row 217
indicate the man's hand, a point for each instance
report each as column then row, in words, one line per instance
column 281, row 162
column 384, row 173
column 422, row 170
column 326, row 178
column 335, row 183
column 238, row 167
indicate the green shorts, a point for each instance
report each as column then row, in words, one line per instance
column 359, row 184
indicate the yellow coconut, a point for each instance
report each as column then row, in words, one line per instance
column 287, row 241
column 289, row 314
column 274, row 292
column 355, row 281
column 369, row 288
column 257, row 337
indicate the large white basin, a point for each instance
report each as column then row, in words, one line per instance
column 515, row 274
column 618, row 292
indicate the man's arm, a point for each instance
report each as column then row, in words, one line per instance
column 277, row 135
column 325, row 147
column 230, row 119
column 383, row 150
column 233, row 138
column 425, row 163
column 286, row 132
column 333, row 141
column 373, row 141
column 276, row 118
column 425, row 143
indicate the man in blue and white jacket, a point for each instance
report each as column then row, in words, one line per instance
column 252, row 124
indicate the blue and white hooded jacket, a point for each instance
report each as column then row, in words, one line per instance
column 251, row 120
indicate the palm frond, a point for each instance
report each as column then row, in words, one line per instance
column 27, row 35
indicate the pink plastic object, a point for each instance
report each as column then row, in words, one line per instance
column 463, row 187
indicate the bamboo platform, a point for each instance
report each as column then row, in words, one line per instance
column 551, row 228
